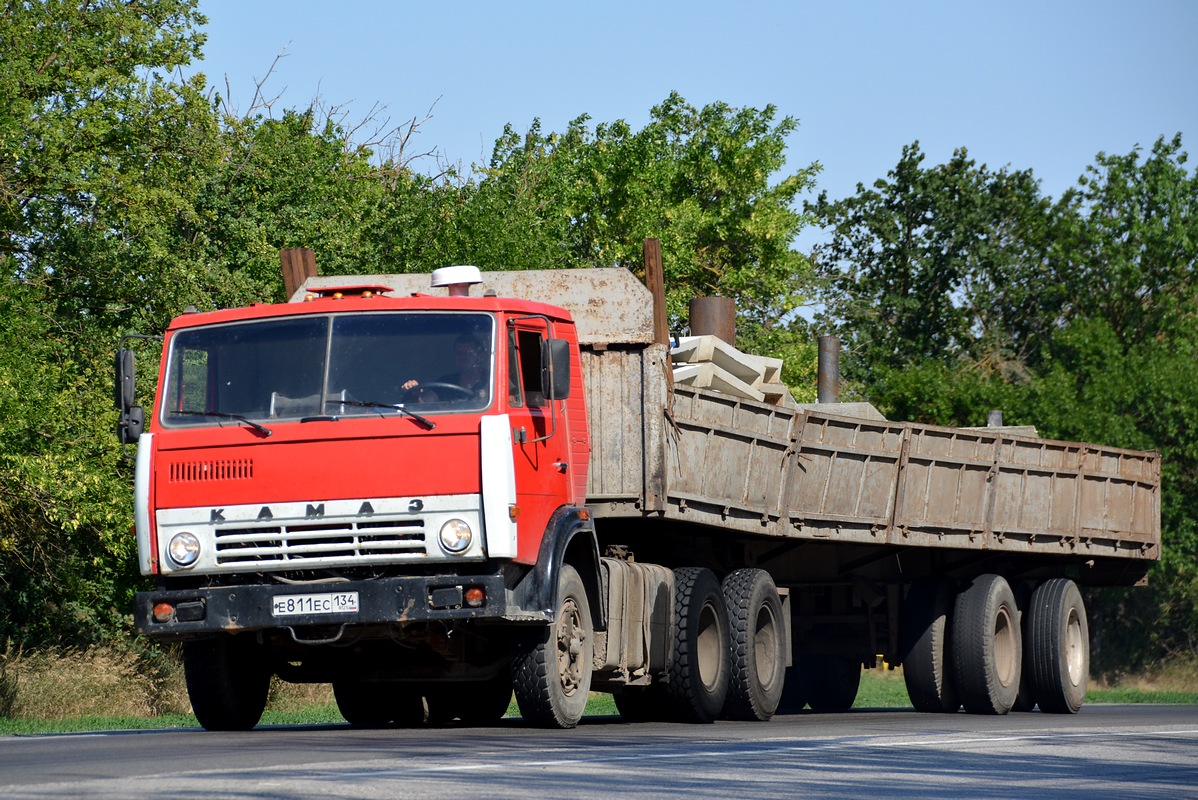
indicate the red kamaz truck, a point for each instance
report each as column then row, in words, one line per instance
column 430, row 497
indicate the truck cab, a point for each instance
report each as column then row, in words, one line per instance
column 321, row 472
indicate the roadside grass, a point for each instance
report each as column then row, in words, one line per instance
column 103, row 689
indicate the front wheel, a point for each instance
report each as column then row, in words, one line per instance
column 551, row 669
column 227, row 681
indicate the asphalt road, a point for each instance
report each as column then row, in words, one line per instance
column 1102, row 752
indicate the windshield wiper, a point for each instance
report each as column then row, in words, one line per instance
column 425, row 421
column 265, row 431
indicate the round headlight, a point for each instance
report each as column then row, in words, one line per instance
column 184, row 549
column 456, row 536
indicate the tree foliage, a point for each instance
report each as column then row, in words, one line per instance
column 931, row 262
column 128, row 193
column 962, row 289
column 701, row 180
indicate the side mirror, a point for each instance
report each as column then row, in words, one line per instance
column 555, row 369
column 133, row 418
column 131, row 424
column 125, row 378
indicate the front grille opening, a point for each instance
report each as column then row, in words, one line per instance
column 330, row 543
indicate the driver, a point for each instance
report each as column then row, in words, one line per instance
column 470, row 359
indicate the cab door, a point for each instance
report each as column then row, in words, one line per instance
column 540, row 441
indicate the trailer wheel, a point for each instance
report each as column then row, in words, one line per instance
column 1059, row 639
column 698, row 674
column 473, row 702
column 227, row 682
column 926, row 628
column 793, row 700
column 1025, row 700
column 551, row 668
column 829, row 683
column 758, row 645
column 987, row 646
column 366, row 704
column 642, row 704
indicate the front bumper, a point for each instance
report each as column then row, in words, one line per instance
column 229, row 609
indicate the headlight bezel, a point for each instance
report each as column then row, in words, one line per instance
column 455, row 536
column 183, row 549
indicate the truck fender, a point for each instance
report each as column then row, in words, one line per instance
column 569, row 538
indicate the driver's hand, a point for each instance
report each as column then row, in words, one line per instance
column 411, row 384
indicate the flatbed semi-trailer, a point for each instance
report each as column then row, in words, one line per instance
column 695, row 553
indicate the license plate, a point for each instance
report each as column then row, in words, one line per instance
column 288, row 605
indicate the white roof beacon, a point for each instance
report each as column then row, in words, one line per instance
column 459, row 279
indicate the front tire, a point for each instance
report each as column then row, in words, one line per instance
column 987, row 646
column 758, row 645
column 1059, row 639
column 551, row 668
column 227, row 681
column 698, row 676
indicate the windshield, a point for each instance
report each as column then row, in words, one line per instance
column 330, row 366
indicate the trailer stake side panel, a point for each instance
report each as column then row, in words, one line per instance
column 764, row 470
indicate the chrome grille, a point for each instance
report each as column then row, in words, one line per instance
column 348, row 542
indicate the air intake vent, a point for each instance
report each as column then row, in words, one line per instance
column 239, row 469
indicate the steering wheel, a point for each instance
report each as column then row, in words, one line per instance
column 462, row 391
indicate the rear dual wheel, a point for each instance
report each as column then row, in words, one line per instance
column 697, row 681
column 987, row 646
column 758, row 645
column 1059, row 643
column 926, row 655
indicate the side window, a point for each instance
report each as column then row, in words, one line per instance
column 529, row 343
column 191, row 384
column 515, row 392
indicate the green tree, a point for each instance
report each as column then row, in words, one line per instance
column 703, row 181
column 74, row 79
column 935, row 263
column 962, row 290
column 93, row 149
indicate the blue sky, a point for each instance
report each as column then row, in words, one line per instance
column 1040, row 85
